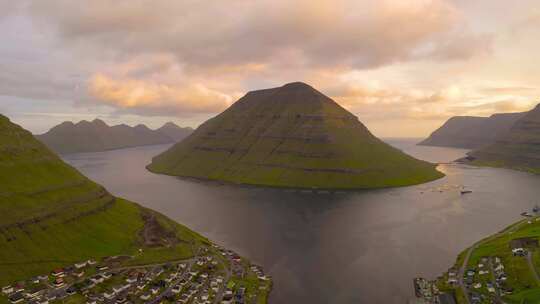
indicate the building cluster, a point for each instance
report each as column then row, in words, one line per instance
column 486, row 281
column 205, row 279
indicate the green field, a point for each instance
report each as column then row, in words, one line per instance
column 292, row 136
column 52, row 216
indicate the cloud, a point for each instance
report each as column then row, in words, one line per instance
column 353, row 34
column 146, row 98
column 509, row 90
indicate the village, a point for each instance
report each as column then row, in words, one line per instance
column 484, row 278
column 213, row 276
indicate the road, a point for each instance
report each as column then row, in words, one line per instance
column 461, row 273
column 532, row 268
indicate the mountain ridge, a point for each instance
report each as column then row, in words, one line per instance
column 96, row 136
column 519, row 148
column 471, row 132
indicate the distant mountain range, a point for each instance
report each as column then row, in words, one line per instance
column 470, row 132
column 291, row 136
column 96, row 136
column 518, row 148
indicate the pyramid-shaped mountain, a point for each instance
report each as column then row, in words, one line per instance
column 519, row 148
column 291, row 136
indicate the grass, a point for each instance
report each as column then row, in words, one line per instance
column 55, row 216
column 297, row 139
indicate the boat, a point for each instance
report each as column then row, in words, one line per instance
column 536, row 209
column 465, row 191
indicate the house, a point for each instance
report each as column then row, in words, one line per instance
column 81, row 265
column 131, row 279
column 108, row 295
column 71, row 291
column 154, row 290
column 519, row 251
column 102, row 267
column 145, row 296
column 91, row 262
column 7, row 289
column 59, row 283
column 96, row 279
column 78, row 274
column 91, row 301
column 118, row 289
column 16, row 298
column 43, row 277
column 36, row 291
column 59, row 272
column 176, row 289
column 141, row 286
column 106, row 276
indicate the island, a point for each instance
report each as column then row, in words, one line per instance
column 291, row 136
column 97, row 136
column 66, row 239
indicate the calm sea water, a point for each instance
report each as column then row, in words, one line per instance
column 363, row 247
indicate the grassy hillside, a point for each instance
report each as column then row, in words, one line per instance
column 518, row 149
column 292, row 136
column 53, row 216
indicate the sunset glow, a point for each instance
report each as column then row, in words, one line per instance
column 407, row 63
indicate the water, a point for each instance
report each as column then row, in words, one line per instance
column 363, row 247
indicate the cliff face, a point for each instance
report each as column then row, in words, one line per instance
column 97, row 136
column 291, row 136
column 469, row 132
column 518, row 148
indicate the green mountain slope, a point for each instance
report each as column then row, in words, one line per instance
column 53, row 216
column 96, row 136
column 470, row 132
column 519, row 148
column 291, row 136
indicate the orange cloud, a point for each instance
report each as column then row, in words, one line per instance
column 155, row 99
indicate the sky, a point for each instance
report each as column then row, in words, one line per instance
column 402, row 66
